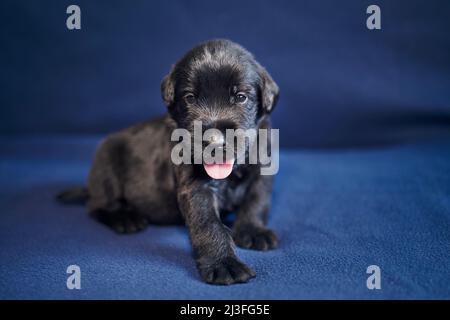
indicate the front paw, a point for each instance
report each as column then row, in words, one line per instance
column 227, row 271
column 256, row 238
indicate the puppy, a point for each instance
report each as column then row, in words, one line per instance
column 133, row 182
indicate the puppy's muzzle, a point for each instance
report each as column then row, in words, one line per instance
column 216, row 142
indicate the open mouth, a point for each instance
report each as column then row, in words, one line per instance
column 219, row 170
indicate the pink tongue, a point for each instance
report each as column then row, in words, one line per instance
column 219, row 171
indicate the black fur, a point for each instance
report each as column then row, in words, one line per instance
column 133, row 182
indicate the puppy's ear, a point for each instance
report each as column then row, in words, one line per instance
column 269, row 90
column 168, row 89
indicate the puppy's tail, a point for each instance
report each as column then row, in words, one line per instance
column 75, row 195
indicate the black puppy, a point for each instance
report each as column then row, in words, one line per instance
column 133, row 181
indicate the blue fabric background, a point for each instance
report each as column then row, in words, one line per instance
column 364, row 120
column 341, row 84
column 336, row 213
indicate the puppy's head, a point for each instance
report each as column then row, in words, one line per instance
column 220, row 84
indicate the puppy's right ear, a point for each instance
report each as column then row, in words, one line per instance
column 168, row 89
column 269, row 90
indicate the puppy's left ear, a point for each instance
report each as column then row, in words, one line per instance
column 168, row 88
column 269, row 90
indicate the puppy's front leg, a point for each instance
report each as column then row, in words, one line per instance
column 250, row 231
column 211, row 240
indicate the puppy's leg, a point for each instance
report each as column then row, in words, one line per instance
column 211, row 240
column 249, row 229
column 122, row 219
column 108, row 179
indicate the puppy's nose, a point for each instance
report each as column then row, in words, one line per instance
column 216, row 138
column 215, row 133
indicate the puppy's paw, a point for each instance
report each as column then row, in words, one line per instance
column 228, row 271
column 123, row 222
column 256, row 238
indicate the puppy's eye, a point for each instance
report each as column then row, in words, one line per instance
column 241, row 98
column 189, row 98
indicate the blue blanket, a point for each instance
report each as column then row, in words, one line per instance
column 336, row 213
